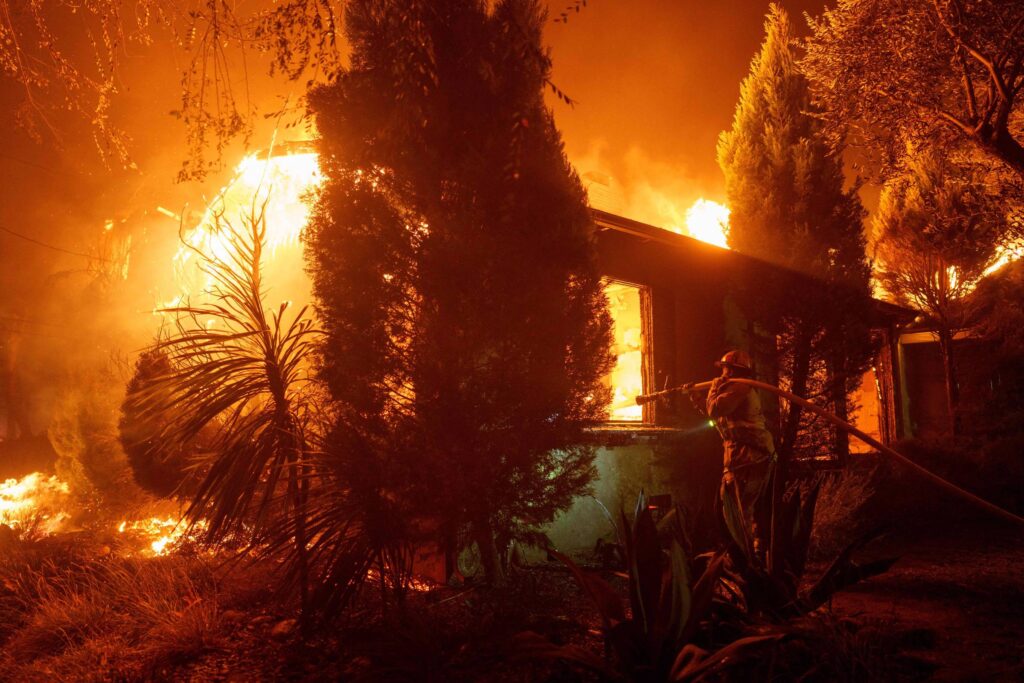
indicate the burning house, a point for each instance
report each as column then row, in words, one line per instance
column 670, row 298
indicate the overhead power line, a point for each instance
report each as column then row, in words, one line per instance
column 28, row 321
column 33, row 240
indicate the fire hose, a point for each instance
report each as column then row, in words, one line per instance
column 846, row 426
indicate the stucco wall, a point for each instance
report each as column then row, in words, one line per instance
column 685, row 465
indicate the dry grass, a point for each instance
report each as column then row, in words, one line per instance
column 839, row 516
column 109, row 618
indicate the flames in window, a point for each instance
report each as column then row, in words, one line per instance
column 626, row 378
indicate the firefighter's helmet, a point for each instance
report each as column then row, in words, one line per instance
column 737, row 359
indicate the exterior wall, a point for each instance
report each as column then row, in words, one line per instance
column 925, row 407
column 621, row 473
column 684, row 467
column 674, row 452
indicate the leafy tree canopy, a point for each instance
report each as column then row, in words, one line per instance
column 923, row 72
column 936, row 233
column 67, row 57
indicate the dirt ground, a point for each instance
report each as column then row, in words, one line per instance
column 955, row 600
column 952, row 609
column 954, row 603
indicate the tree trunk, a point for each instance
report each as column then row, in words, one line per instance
column 1001, row 144
column 949, row 371
column 298, row 493
column 780, row 478
column 801, row 369
column 489, row 557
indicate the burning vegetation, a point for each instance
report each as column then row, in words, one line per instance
column 392, row 390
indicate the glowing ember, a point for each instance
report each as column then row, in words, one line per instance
column 33, row 501
column 157, row 536
column 708, row 221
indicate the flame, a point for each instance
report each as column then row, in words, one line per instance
column 40, row 502
column 415, row 584
column 280, row 183
column 626, row 378
column 33, row 499
column 708, row 221
column 157, row 535
column 1005, row 254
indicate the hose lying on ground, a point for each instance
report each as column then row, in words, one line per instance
column 846, row 426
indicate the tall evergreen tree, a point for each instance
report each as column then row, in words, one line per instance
column 785, row 189
column 452, row 255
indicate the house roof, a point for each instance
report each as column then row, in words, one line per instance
column 694, row 248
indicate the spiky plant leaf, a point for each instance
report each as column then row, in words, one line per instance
column 243, row 372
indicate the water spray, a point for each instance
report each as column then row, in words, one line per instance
column 849, row 428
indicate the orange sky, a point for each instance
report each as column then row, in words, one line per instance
column 655, row 81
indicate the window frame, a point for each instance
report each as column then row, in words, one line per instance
column 647, row 417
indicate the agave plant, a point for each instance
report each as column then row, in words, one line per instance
column 243, row 373
column 770, row 580
column 652, row 640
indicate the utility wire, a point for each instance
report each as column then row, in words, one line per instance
column 30, row 333
column 54, row 247
column 35, row 165
column 28, row 321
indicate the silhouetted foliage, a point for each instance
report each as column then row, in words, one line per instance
column 671, row 605
column 936, row 234
column 785, row 186
column 923, row 71
column 232, row 365
column 159, row 466
column 453, row 260
column 772, row 580
column 996, row 308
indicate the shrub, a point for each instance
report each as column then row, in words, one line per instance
column 771, row 580
column 669, row 604
column 841, row 513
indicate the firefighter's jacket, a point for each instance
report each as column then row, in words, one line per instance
column 736, row 410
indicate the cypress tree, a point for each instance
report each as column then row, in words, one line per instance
column 785, row 188
column 452, row 254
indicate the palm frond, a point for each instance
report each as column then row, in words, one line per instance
column 246, row 372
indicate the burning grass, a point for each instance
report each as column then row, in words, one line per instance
column 38, row 506
column 33, row 504
column 72, row 618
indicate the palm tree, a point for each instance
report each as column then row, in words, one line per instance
column 233, row 366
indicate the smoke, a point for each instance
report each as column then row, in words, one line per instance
column 654, row 83
column 640, row 186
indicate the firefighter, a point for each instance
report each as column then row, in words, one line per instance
column 749, row 450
